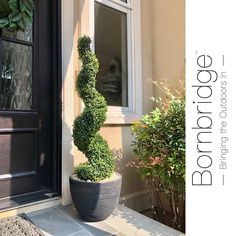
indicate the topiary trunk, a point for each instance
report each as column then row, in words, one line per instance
column 100, row 164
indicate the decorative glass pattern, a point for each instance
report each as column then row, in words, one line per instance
column 26, row 35
column 111, row 51
column 16, row 79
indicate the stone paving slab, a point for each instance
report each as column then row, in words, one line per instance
column 64, row 221
column 53, row 221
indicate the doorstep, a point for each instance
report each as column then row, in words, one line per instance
column 64, row 221
column 30, row 207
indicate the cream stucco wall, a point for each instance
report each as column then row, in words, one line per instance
column 168, row 28
column 162, row 42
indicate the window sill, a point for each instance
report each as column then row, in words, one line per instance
column 126, row 118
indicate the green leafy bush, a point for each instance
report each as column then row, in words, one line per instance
column 16, row 14
column 160, row 146
column 100, row 164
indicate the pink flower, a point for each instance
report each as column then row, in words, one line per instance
column 155, row 160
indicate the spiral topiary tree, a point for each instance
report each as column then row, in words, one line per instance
column 100, row 164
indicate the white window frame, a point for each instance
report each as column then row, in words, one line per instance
column 116, row 114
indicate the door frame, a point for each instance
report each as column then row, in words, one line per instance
column 57, row 99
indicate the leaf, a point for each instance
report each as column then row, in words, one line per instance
column 17, row 17
column 27, row 5
column 13, row 5
column 31, row 3
column 3, row 22
column 21, row 25
column 12, row 26
column 22, row 6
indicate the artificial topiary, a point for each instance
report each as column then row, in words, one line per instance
column 16, row 14
column 100, row 164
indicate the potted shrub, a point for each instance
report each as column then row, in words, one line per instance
column 95, row 187
column 160, row 147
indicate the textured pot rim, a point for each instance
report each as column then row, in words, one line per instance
column 75, row 178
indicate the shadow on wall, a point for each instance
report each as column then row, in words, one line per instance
column 133, row 193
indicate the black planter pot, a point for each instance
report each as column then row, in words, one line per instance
column 95, row 201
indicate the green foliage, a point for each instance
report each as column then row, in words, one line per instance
column 16, row 14
column 100, row 164
column 160, row 146
column 160, row 143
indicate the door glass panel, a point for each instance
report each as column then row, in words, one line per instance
column 26, row 35
column 111, row 51
column 16, row 81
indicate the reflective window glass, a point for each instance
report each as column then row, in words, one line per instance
column 16, row 79
column 111, row 51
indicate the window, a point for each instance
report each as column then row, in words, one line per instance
column 114, row 26
column 111, row 51
column 16, row 55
